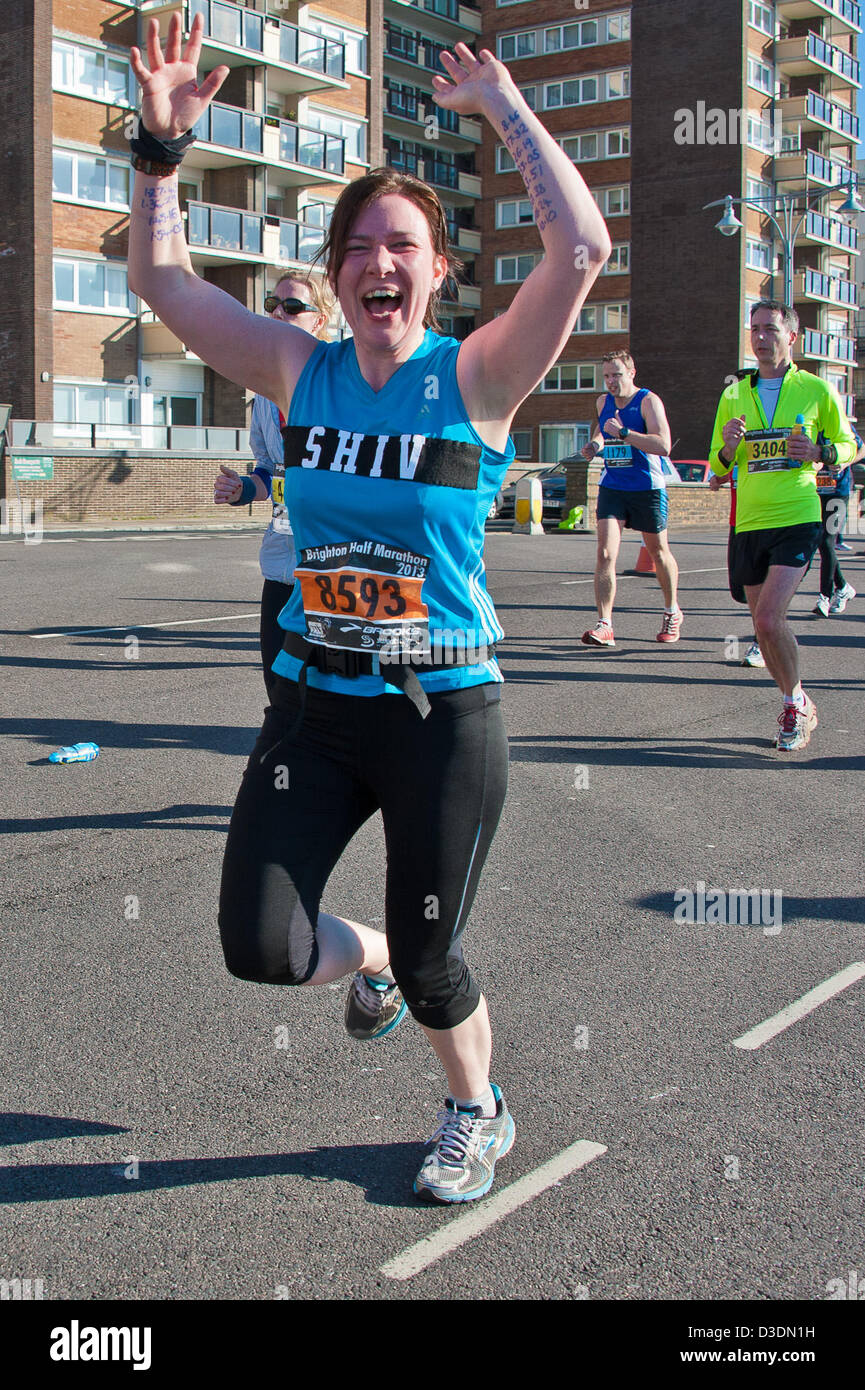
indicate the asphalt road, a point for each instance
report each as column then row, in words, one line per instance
column 170, row 1132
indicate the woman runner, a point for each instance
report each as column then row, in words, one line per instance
column 396, row 443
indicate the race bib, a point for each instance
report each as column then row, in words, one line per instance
column 280, row 519
column 363, row 595
column 618, row 455
column 827, row 480
column 766, row 451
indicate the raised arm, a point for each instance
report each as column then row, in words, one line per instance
column 253, row 351
column 501, row 362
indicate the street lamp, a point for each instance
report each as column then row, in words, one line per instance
column 729, row 224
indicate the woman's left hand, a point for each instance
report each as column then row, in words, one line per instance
column 474, row 80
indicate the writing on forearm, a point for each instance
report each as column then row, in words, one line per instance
column 159, row 205
column 527, row 157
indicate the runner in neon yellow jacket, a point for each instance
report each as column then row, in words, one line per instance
column 781, row 496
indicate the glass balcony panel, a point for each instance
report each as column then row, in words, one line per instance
column 225, row 126
column 288, row 44
column 252, row 235
column 199, row 224
column 225, row 23
column 253, row 31
column 288, row 143
column 288, row 241
column 225, row 229
column 252, row 136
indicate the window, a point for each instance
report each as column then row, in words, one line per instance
column 759, row 190
column 94, row 73
column 560, row 441
column 761, row 76
column 558, row 38
column 353, row 132
column 583, row 91
column 758, row 255
column 522, row 443
column 760, row 17
column 92, row 403
column 615, row 201
column 517, row 46
column 569, row 376
column 581, row 149
column 531, row 96
column 513, row 212
column 602, row 318
column 511, row 269
column 354, row 40
column 97, row 286
column 90, row 178
column 760, row 134
column 620, row 260
column 616, row 318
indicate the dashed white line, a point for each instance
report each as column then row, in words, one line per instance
column 466, row 1227
column 138, row 627
column 755, row 1037
column 714, row 569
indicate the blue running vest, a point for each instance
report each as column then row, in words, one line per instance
column 388, row 510
column 626, row 468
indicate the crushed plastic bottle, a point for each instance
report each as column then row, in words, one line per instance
column 75, row 753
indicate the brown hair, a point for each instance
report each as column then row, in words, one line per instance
column 362, row 192
column 320, row 293
column 619, row 355
column 789, row 317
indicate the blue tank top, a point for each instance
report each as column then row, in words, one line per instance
column 625, row 467
column 388, row 492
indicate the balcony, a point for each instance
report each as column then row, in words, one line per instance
column 416, row 105
column 218, row 235
column 831, row 289
column 416, row 50
column 297, row 60
column 295, row 154
column 159, row 343
column 75, row 436
column 813, row 112
column 294, row 240
column 467, row 240
column 831, row 231
column 847, row 11
column 806, row 166
column 452, row 185
column 810, row 53
column 442, row 15
column 827, row 347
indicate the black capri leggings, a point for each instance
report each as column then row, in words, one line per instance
column 834, row 511
column 439, row 783
column 274, row 597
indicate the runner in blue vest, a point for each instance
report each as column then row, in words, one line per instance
column 633, row 436
column 387, row 699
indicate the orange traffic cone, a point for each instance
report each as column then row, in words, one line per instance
column 645, row 564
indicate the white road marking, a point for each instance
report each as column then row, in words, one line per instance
column 466, row 1227
column 137, row 627
column 171, row 568
column 755, row 1037
column 714, row 569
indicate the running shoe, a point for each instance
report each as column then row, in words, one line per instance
column 461, row 1165
column 821, row 607
column 601, row 635
column 842, row 545
column 795, row 726
column 670, row 626
column 841, row 599
column 372, row 1010
column 753, row 656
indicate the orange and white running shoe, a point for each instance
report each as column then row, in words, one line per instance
column 671, row 626
column 601, row 635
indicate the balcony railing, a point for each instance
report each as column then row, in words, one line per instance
column 831, row 287
column 225, row 229
column 315, row 149
column 243, row 28
column 232, row 127
column 414, row 104
column 57, row 435
column 830, row 346
column 299, row 241
column 833, row 57
column 827, row 171
column 831, row 113
column 833, row 230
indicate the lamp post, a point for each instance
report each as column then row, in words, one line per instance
column 729, row 224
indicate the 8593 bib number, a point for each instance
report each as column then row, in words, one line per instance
column 359, row 595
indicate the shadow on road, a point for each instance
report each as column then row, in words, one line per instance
column 696, row 753
column 19, row 1127
column 237, row 740
column 383, row 1171
column 153, row 818
column 795, row 909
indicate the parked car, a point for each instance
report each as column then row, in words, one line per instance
column 692, row 470
column 553, row 482
column 495, row 507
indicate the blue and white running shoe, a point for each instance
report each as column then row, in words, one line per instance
column 461, row 1165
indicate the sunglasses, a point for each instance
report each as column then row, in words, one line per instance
column 289, row 306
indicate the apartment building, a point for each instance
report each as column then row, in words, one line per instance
column 289, row 129
column 573, row 65
column 439, row 146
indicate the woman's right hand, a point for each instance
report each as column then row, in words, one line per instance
column 171, row 99
column 229, row 485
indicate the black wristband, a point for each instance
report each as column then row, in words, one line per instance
column 150, row 149
column 829, row 455
column 248, row 492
